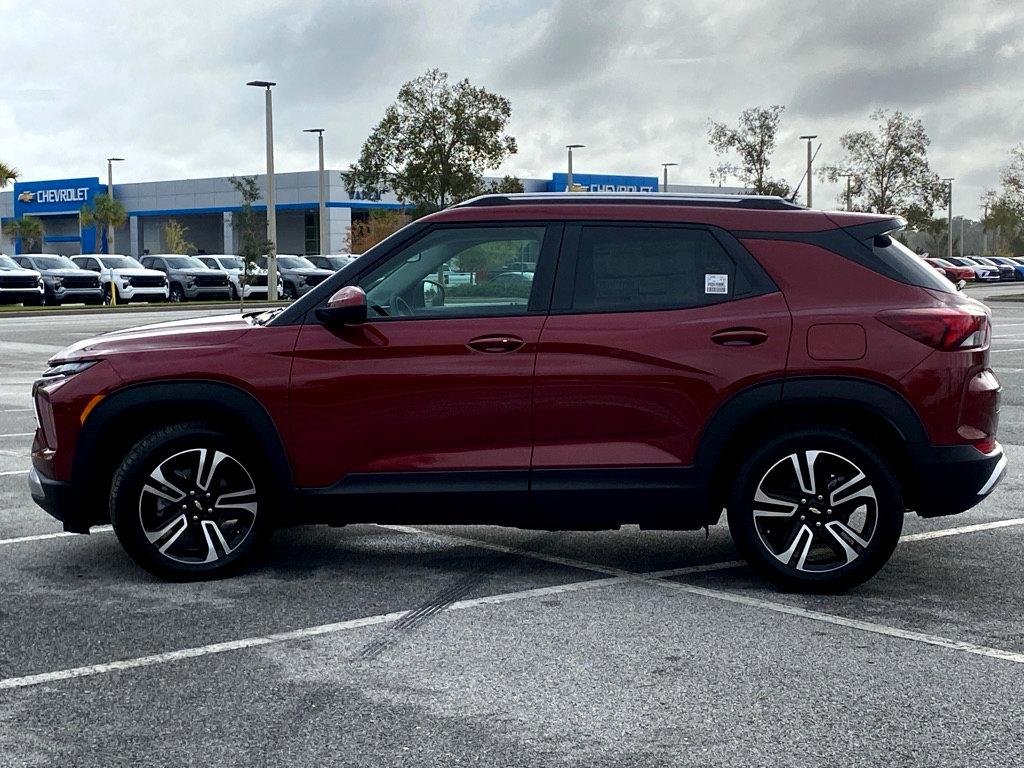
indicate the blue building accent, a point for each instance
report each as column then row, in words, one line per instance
column 599, row 182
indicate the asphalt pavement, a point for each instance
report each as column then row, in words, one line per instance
column 375, row 645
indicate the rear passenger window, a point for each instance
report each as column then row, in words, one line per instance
column 623, row 269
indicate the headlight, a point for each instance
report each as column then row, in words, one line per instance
column 58, row 282
column 39, row 283
column 63, row 370
column 300, row 280
column 190, row 279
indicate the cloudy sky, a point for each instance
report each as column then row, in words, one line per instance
column 162, row 84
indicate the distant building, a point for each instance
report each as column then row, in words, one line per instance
column 206, row 207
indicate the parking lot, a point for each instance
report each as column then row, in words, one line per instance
column 371, row 645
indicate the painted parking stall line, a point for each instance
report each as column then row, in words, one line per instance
column 656, row 577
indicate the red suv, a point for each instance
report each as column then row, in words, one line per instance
column 652, row 360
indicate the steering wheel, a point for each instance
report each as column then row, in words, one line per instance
column 400, row 306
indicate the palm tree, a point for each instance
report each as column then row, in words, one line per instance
column 7, row 175
column 103, row 213
column 29, row 230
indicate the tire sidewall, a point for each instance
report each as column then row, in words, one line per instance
column 131, row 476
column 887, row 494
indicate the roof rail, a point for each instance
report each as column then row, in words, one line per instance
column 761, row 202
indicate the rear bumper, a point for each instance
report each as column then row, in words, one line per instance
column 952, row 479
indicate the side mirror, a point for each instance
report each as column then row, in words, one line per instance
column 347, row 306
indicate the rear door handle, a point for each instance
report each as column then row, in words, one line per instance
column 739, row 337
column 497, row 343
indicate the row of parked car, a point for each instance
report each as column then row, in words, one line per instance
column 34, row 279
column 988, row 269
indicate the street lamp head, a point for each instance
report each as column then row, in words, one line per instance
column 575, row 146
column 261, row 83
column 114, row 159
column 313, row 130
column 669, row 165
column 808, row 138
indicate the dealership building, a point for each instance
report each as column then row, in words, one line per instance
column 206, row 207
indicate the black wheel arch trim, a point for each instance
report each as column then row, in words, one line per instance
column 226, row 397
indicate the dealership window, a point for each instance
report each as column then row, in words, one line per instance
column 627, row 268
column 312, row 232
column 457, row 272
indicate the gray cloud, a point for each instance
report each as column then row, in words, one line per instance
column 163, row 84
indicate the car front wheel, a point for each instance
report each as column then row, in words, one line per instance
column 816, row 510
column 186, row 503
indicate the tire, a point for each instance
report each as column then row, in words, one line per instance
column 177, row 294
column 234, row 293
column 806, row 538
column 158, row 503
column 290, row 293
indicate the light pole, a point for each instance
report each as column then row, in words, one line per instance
column 568, row 181
column 323, row 190
column 949, row 218
column 984, row 232
column 271, row 200
column 809, row 139
column 110, row 194
column 664, row 175
column 849, row 190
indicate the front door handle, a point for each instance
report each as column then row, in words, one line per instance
column 739, row 337
column 497, row 343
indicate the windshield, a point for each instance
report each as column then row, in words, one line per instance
column 184, row 262
column 294, row 262
column 53, row 262
column 337, row 262
column 119, row 262
column 6, row 262
column 230, row 263
column 942, row 263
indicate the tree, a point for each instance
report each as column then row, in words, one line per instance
column 434, row 143
column 252, row 237
column 104, row 212
column 890, row 169
column 29, row 230
column 174, row 238
column 8, row 174
column 365, row 234
column 753, row 141
column 1012, row 177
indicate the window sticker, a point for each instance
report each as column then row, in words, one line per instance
column 716, row 284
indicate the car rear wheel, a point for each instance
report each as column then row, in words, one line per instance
column 289, row 292
column 186, row 503
column 177, row 293
column 816, row 510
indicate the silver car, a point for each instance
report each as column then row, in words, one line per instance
column 297, row 275
column 63, row 281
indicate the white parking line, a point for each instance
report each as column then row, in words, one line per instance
column 1015, row 349
column 940, row 533
column 14, row 472
column 14, row 410
column 842, row 621
column 58, row 535
column 18, row 434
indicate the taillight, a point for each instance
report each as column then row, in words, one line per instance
column 945, row 328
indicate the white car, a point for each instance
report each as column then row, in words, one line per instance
column 19, row 285
column 129, row 278
column 235, row 267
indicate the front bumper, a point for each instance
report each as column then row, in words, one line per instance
column 18, row 295
column 158, row 293
column 56, row 497
column 948, row 480
column 196, row 293
column 73, row 295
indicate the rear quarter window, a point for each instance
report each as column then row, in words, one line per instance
column 910, row 267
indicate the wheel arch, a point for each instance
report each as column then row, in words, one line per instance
column 874, row 412
column 124, row 416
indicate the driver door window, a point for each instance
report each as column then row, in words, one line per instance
column 458, row 272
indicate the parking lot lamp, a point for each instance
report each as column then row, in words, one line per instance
column 110, row 194
column 323, row 190
column 568, row 180
column 664, row 175
column 810, row 159
column 949, row 217
column 271, row 199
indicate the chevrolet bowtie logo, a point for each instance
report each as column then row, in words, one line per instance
column 26, row 197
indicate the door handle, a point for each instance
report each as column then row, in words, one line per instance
column 502, row 343
column 739, row 337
